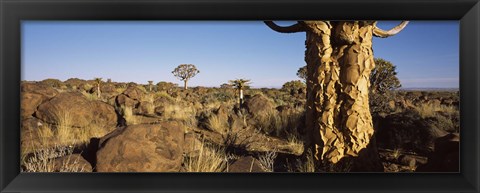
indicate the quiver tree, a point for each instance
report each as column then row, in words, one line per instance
column 150, row 84
column 184, row 72
column 240, row 84
column 98, row 81
column 339, row 59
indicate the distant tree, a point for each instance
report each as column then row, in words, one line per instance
column 185, row 72
column 383, row 80
column 150, row 84
column 240, row 84
column 109, row 80
column 98, row 81
column 302, row 73
column 383, row 77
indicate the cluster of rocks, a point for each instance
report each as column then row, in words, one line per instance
column 155, row 144
column 445, row 157
column 150, row 146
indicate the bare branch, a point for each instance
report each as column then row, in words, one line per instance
column 383, row 34
column 289, row 29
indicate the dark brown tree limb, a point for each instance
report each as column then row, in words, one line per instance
column 383, row 34
column 289, row 29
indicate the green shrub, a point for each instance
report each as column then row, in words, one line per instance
column 294, row 87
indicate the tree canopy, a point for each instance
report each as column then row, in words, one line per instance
column 302, row 73
column 239, row 83
column 184, row 72
column 383, row 77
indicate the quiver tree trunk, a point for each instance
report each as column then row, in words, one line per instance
column 339, row 79
column 99, row 94
column 339, row 59
column 240, row 97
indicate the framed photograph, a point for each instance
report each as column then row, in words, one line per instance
column 242, row 96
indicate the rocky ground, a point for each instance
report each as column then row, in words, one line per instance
column 127, row 127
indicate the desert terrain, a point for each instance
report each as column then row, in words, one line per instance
column 106, row 126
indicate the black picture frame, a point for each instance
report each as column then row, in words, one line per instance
column 12, row 12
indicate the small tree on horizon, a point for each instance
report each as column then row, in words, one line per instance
column 98, row 81
column 185, row 72
column 150, row 83
column 240, row 84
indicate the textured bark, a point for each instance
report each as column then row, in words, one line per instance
column 339, row 59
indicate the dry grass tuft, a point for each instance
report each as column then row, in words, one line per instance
column 267, row 160
column 431, row 110
column 90, row 97
column 163, row 94
column 308, row 165
column 63, row 127
column 185, row 114
column 295, row 143
column 120, row 90
column 279, row 123
column 43, row 160
column 127, row 113
column 215, row 123
column 64, row 134
column 268, row 121
column 45, row 133
column 210, row 159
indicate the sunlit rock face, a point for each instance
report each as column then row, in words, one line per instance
column 143, row 148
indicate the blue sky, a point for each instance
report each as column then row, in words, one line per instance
column 426, row 53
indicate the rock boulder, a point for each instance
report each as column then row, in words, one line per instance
column 258, row 104
column 246, row 164
column 29, row 103
column 134, row 93
column 143, row 148
column 38, row 88
column 81, row 111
